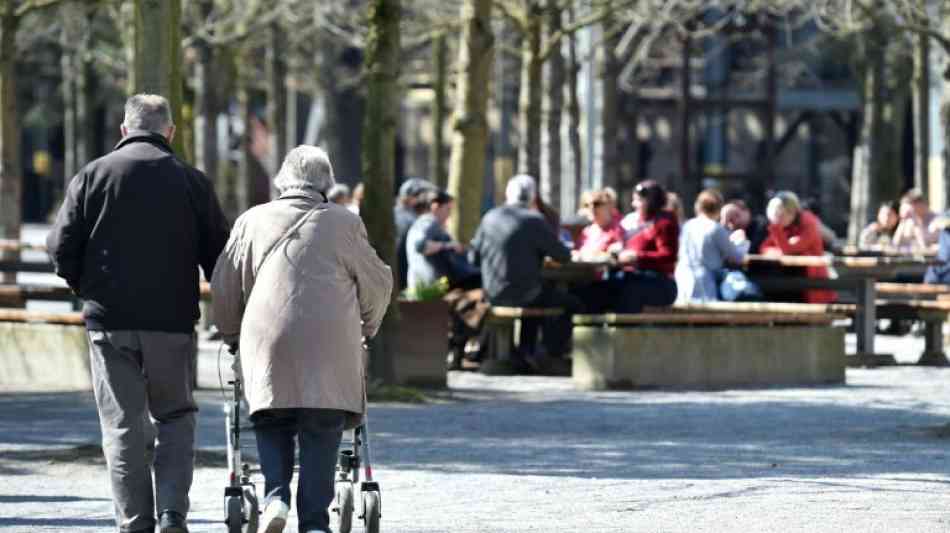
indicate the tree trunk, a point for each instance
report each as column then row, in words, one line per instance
column 206, row 105
column 507, row 72
column 158, row 57
column 470, row 123
column 67, row 62
column 877, row 174
column 529, row 102
column 343, row 107
column 11, row 174
column 945, row 113
column 276, row 97
column 552, row 174
column 921, row 96
column 574, row 124
column 609, row 69
column 440, row 66
column 379, row 165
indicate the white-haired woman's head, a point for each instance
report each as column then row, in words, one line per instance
column 521, row 189
column 783, row 208
column 305, row 168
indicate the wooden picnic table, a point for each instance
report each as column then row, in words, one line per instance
column 582, row 271
column 7, row 245
column 859, row 274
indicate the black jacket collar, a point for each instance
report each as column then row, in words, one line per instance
column 155, row 139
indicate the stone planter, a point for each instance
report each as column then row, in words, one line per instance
column 422, row 343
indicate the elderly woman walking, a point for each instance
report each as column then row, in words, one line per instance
column 299, row 286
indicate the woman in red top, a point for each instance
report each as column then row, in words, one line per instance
column 648, row 257
column 796, row 231
column 603, row 232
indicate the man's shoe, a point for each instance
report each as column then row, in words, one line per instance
column 275, row 517
column 172, row 522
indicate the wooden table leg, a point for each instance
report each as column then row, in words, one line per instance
column 865, row 324
column 933, row 345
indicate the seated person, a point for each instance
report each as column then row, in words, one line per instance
column 796, row 231
column 405, row 213
column 879, row 235
column 646, row 260
column 339, row 194
column 674, row 204
column 705, row 250
column 940, row 273
column 432, row 253
column 737, row 218
column 510, row 246
column 915, row 232
column 598, row 236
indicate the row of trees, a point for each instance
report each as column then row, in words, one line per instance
column 359, row 56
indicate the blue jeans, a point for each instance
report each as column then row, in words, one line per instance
column 319, row 432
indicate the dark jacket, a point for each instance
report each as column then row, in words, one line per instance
column 510, row 246
column 131, row 233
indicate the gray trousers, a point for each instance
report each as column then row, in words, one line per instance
column 136, row 374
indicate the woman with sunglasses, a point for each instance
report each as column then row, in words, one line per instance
column 604, row 231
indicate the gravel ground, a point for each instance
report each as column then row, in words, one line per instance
column 527, row 454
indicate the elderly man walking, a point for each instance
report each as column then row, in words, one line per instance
column 128, row 239
column 298, row 287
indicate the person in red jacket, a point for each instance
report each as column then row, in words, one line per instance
column 648, row 257
column 796, row 231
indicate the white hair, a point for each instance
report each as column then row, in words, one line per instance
column 521, row 189
column 782, row 202
column 338, row 192
column 305, row 167
column 147, row 112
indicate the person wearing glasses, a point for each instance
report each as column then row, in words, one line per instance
column 604, row 231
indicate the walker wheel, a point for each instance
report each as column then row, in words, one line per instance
column 235, row 515
column 344, row 506
column 371, row 511
column 252, row 516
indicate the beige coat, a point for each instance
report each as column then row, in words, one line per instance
column 316, row 295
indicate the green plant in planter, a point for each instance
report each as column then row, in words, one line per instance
column 425, row 292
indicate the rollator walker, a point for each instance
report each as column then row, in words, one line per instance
column 241, row 506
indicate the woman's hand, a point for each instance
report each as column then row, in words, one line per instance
column 627, row 257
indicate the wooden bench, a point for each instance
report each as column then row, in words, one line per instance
column 500, row 329
column 707, row 349
column 933, row 313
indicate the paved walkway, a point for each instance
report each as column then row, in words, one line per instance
column 530, row 454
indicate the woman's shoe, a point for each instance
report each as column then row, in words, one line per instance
column 275, row 517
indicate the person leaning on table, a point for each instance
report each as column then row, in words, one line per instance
column 132, row 231
column 797, row 231
column 297, row 288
